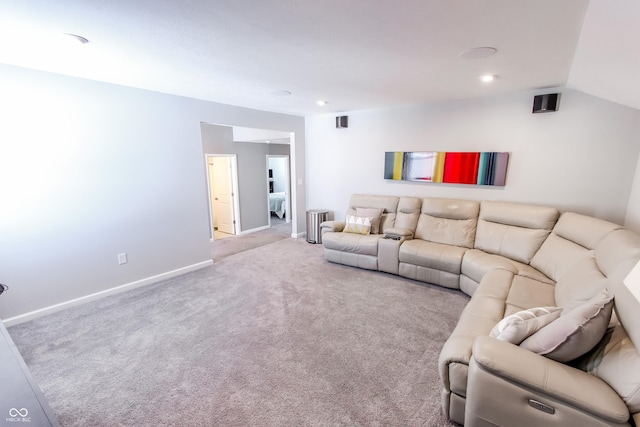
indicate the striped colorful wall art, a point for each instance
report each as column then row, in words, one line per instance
column 477, row 168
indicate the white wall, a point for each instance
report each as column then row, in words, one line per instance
column 580, row 158
column 89, row 170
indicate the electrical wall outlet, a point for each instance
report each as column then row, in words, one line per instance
column 122, row 258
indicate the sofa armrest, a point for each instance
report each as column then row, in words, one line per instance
column 517, row 380
column 332, row 226
column 398, row 234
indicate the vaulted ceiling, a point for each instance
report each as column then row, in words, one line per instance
column 284, row 55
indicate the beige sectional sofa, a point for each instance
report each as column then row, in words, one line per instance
column 526, row 267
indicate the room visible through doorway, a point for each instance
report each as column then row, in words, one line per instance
column 278, row 178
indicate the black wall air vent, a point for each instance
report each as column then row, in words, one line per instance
column 545, row 103
column 342, row 122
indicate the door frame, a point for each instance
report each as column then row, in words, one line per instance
column 233, row 159
column 287, row 186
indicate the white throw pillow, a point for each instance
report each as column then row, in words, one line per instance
column 358, row 225
column 517, row 327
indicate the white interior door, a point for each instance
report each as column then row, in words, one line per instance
column 221, row 186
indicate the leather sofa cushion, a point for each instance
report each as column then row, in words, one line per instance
column 513, row 230
column 450, row 208
column 368, row 262
column 432, row 255
column 476, row 263
column 584, row 230
column 447, row 231
column 527, row 293
column 388, row 203
column 579, row 284
column 557, row 255
column 408, row 213
column 571, row 240
column 350, row 242
column 517, row 243
column 519, row 215
column 617, row 253
column 448, row 221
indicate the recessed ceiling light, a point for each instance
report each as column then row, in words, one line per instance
column 478, row 52
column 322, row 103
column 280, row 92
column 77, row 38
column 488, row 78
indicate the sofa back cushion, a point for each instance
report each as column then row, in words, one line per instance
column 389, row 204
column 572, row 240
column 513, row 230
column 408, row 213
column 448, row 221
column 579, row 283
column 617, row 253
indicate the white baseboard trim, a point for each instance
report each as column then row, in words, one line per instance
column 299, row 235
column 254, row 230
column 107, row 292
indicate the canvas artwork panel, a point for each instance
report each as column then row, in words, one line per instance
column 476, row 168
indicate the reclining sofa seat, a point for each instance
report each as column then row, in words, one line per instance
column 508, row 236
column 446, row 229
column 599, row 388
column 567, row 259
column 359, row 250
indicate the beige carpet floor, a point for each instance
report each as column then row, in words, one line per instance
column 239, row 243
column 271, row 336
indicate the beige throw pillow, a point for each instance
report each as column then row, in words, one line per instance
column 574, row 333
column 520, row 325
column 375, row 214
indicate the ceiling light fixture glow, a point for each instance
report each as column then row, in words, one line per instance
column 487, row 78
column 322, row 103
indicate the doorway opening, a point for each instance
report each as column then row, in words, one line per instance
column 279, row 189
column 222, row 182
